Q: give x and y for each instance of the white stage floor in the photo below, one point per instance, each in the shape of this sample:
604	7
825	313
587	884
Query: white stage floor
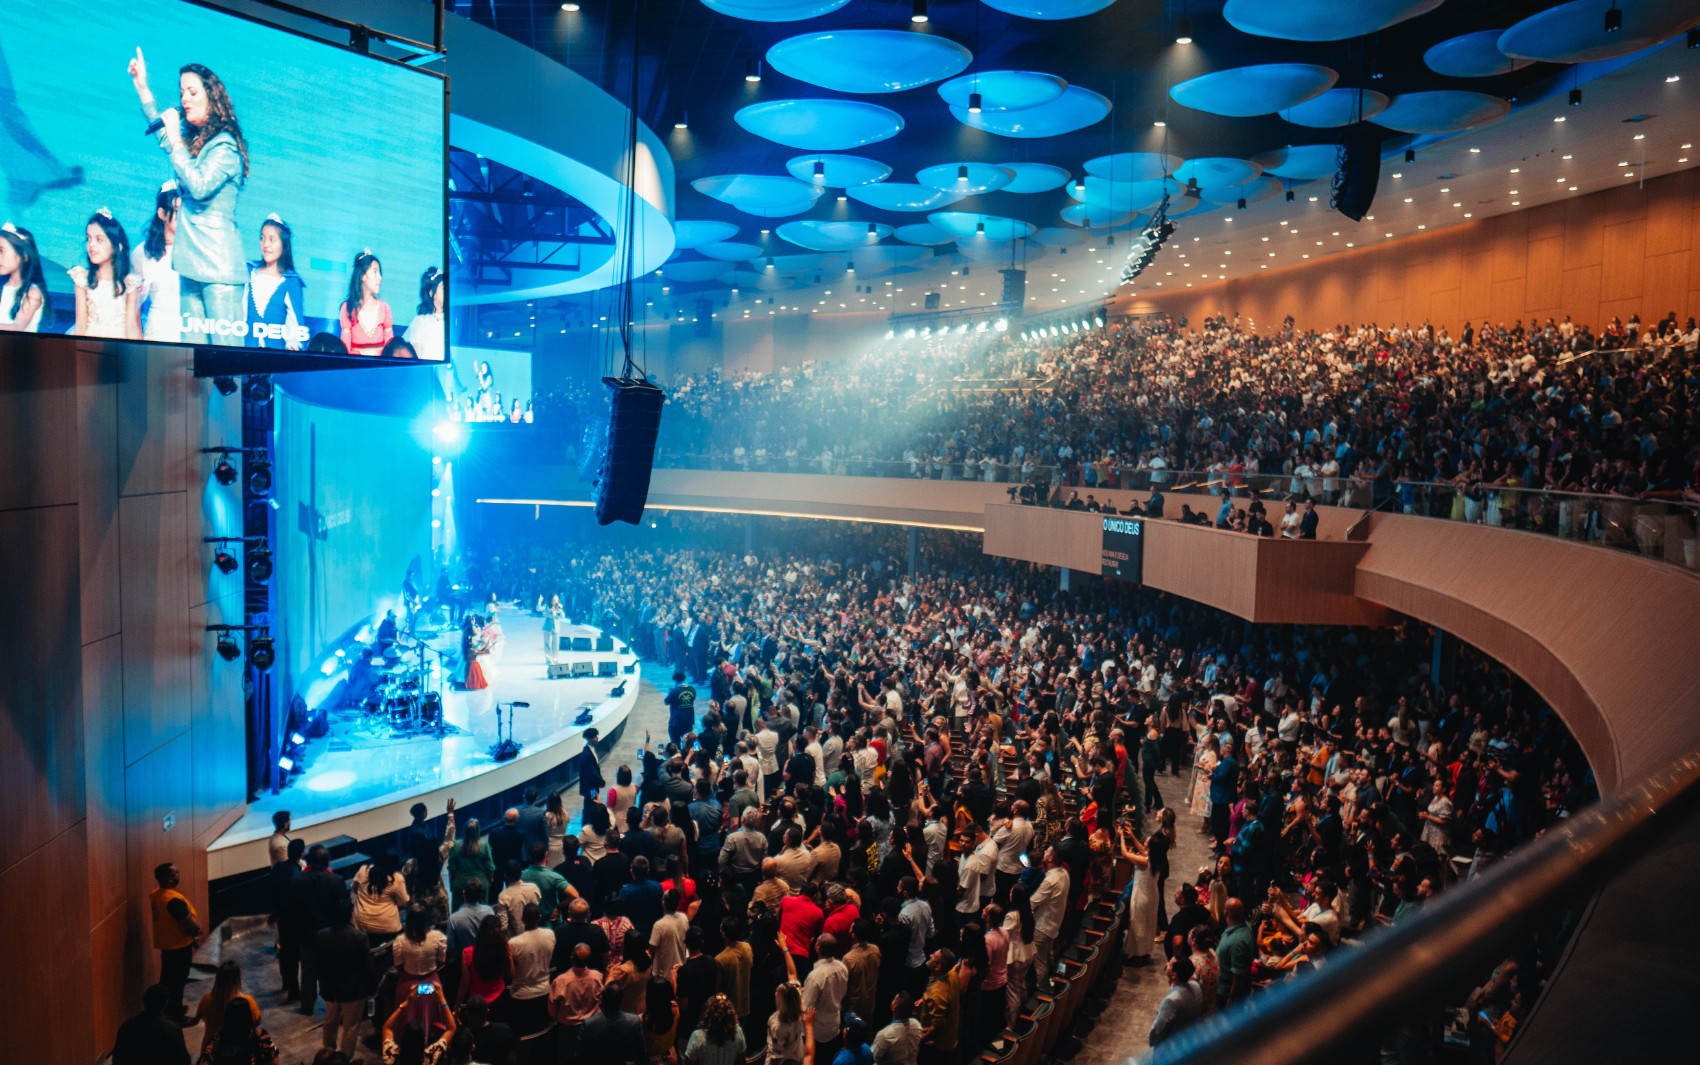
360	783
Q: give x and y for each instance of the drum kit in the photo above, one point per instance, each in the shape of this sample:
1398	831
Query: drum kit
405	701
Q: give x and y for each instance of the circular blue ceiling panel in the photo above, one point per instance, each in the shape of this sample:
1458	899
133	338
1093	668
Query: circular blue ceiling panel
868	60
1305	162
988	251
694	271
1133	166
967	225
882	257
694	234
1075	109
838	171
807	234
1085	214
730	252
1254	191
1059	237
820	125
967	179
1442	111
786	265
763	195
924	233
1336	107
774	10
853	234
1049	10
1320	20
1257	90
1215	173
1035	177
901	196
1003	90
1474	55
1122	195
1576	33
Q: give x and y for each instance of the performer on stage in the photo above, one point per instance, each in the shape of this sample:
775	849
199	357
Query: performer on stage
23	289
211	166
365	319
109	297
427	333
162	317
553	618
276	294
471	647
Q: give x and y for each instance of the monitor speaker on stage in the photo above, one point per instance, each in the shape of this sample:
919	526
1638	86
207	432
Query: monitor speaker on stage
581	643
605	642
607	669
1360	172
622	487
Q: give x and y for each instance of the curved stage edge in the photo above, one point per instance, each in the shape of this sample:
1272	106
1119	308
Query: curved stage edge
432	769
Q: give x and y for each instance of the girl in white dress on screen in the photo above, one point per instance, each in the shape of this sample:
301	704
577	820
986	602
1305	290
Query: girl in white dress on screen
161	287
23	290
108	302
427	333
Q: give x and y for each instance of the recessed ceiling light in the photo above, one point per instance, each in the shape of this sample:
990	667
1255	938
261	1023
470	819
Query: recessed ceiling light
1515	203
1573	188
1475	151
1398	175
1516	170
569	7
1673	78
1560	118
1159	123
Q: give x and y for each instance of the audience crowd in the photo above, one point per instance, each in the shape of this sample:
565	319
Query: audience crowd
885	803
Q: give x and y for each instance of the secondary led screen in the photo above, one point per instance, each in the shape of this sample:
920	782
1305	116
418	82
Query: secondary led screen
177	174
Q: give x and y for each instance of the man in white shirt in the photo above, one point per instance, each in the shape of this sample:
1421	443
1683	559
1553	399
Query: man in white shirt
899	1043
823	992
1013	837
531	951
767	757
511	903
974	873
667	937
1049	900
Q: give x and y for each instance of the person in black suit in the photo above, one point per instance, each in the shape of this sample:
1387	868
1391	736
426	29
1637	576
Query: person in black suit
288	948
589	768
1308	523
507	841
310	906
151	1037
532	821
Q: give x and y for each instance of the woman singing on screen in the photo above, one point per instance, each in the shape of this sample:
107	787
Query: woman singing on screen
161	287
366	322
426	333
275	291
109	298
23	289
209	158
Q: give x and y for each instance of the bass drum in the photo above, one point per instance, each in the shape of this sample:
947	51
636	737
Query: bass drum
431	710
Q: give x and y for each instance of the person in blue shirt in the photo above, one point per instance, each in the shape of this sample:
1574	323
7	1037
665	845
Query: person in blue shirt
856	1049
1224	790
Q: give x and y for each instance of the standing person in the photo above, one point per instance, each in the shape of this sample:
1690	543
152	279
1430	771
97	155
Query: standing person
277	847
23	286
241	1040
790	1035
209	159
719	1040
176	930
823	996
556	819
899	1043
161	295
573	999
469	859
532	952
276	296
109	297
1019	925
613	1036
589	768
288	948
1224	789
364	318
1049	901
1181	1006
380	897
346	979
153	1036
553	616
941	1010
227	988
681	709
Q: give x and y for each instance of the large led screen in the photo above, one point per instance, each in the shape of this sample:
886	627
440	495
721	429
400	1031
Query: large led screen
173	173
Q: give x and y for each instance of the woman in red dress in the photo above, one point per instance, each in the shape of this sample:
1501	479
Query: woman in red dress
471	647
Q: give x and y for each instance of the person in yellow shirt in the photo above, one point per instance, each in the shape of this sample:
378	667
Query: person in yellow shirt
176	928
941	1009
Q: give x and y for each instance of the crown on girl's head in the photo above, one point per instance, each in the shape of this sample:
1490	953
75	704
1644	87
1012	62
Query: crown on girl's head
274	218
169	186
106	213
367	252
8	227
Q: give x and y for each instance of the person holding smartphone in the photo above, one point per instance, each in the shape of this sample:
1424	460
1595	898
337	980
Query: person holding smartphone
421	1025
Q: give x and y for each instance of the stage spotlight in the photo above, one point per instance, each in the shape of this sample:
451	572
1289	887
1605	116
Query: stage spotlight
873	230
226	386
962	172
918	12
974	103
684	121
259	476
569	7
1614	18
286	763
447	432
1240	203
1185	34
259	389
1289	195
752	71
228	648
1410	155
979	229
820	171
297	739
225	561
259	563
224	472
261	654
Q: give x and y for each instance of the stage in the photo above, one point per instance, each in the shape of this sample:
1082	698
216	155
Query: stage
359	781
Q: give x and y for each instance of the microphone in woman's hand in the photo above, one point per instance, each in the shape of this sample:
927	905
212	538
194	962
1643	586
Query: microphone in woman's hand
159	123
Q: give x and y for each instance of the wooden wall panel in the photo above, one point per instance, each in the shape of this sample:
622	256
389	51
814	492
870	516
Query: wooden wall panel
1571	256
103	740
38	431
155	615
47	954
41	729
159	806
154	385
1209	566
97	505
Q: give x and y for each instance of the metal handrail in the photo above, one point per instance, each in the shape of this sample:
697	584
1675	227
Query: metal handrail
1358	997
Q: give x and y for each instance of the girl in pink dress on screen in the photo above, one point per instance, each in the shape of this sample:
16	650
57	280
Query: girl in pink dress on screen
366	322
